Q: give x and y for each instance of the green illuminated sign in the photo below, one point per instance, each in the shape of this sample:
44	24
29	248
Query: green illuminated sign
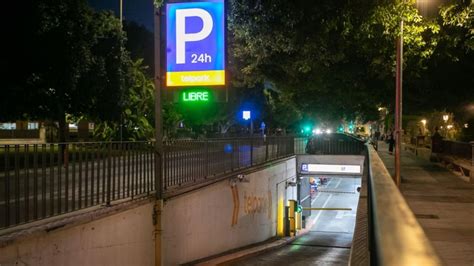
195	96
299	208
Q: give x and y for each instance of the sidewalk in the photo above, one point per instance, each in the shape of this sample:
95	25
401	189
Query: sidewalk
442	202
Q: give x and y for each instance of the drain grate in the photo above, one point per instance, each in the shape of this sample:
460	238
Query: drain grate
426	216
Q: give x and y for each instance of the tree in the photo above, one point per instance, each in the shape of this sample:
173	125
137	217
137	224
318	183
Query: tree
73	65
337	60
458	17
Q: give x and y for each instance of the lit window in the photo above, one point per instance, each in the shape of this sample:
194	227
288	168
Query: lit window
33	125
8	126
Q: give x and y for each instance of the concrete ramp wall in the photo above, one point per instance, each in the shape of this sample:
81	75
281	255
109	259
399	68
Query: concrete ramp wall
226	215
125	238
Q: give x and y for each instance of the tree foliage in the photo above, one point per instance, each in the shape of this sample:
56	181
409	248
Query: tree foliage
336	59
73	63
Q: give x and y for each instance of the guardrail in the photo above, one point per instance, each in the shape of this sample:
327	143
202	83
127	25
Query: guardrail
38	181
329	144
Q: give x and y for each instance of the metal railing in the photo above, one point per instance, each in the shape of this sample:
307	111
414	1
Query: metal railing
19	134
329	144
189	162
463	150
38	181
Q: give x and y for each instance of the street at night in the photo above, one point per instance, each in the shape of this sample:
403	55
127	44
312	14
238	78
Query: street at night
237	132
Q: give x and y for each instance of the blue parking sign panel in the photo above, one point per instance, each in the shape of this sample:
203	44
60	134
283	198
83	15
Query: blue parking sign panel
304	167
195	43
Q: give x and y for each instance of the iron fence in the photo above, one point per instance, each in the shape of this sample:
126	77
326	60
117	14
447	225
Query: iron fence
329	144
463	150
19	134
38	181
188	162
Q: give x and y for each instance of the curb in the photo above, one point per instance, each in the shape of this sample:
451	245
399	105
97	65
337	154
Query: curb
253	251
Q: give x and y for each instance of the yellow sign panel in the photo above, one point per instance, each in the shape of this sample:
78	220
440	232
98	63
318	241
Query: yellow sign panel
195	78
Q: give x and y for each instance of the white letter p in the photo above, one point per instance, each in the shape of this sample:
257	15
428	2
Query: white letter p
182	37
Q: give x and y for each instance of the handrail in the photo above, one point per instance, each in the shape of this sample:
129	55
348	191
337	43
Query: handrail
398	237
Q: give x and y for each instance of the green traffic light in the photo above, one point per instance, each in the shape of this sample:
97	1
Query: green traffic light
299	208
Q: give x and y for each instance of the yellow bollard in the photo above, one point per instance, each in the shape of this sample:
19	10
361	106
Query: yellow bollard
292	216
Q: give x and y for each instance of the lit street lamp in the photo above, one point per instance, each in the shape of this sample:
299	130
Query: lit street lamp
445	118
423	122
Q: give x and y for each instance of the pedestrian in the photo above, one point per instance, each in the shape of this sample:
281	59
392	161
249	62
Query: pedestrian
377	135
391	142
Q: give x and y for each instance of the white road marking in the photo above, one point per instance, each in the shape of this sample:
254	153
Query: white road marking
305	198
319	194
339	214
324	206
338	183
327	185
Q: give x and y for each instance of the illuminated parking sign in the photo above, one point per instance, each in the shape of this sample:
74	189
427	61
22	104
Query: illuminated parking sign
195	49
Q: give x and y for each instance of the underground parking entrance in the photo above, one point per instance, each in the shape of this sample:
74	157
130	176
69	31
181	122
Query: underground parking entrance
328	195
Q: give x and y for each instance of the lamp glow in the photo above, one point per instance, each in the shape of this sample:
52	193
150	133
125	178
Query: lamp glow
445	118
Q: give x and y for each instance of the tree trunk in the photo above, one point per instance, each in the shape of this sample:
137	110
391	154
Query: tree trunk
63	136
63	128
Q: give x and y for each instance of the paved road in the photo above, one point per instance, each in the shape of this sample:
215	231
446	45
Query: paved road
442	202
329	240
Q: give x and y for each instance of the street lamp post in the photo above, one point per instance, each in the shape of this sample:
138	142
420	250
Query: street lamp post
121	10
398	105
121	100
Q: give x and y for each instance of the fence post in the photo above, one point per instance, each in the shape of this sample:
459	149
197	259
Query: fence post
471	171
207	158
266	149
232	155
251	151
109	173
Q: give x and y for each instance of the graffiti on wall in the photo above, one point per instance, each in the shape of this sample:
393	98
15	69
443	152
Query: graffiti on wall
252	204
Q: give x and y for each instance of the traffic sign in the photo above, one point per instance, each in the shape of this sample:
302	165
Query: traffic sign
195	43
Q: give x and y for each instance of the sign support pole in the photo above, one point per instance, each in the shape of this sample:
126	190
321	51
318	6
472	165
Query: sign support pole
158	208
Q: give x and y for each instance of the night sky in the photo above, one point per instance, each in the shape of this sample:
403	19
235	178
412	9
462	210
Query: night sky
139	11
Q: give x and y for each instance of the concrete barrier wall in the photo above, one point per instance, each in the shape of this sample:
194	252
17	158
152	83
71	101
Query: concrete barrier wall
126	238
211	220
226	215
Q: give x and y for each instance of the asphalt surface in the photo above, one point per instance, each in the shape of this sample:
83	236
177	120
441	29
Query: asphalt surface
329	240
